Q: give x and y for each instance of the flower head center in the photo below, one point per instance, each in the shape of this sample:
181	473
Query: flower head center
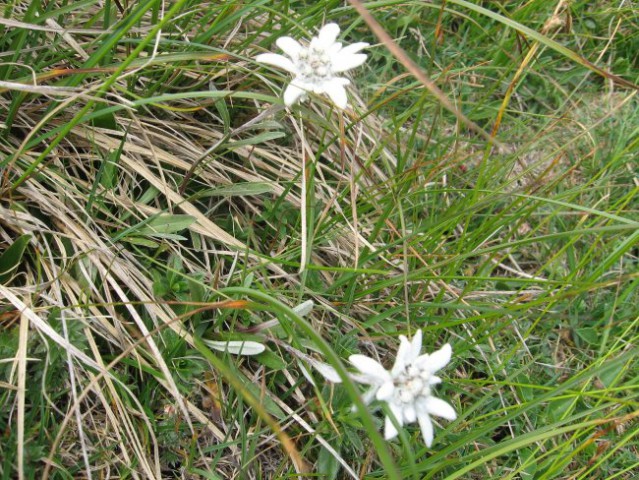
411	384
314	64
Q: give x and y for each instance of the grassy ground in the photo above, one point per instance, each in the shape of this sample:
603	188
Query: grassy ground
136	221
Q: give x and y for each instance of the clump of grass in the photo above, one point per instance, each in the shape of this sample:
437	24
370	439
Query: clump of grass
143	209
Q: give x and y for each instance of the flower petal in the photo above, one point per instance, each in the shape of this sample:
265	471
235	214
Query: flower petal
367	398
336	47
336	91
353	48
410	414
386	391
370	367
341	62
327	35
277	60
426	426
422	361
403	356
290	46
390	431
292	94
439	408
434	380
369	395
319	87
439	359
416	345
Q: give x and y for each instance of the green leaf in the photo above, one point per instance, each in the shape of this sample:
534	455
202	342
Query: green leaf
163	225
327	465
610	376
560	408
588	335
261	138
143	242
268	403
528	462
12	256
104	120
238	190
271	360
109	169
222	110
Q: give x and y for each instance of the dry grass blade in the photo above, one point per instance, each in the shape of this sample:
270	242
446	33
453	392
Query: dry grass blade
39	89
22	379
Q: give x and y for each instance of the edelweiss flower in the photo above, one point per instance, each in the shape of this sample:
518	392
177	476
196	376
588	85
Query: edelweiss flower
315	66
407	388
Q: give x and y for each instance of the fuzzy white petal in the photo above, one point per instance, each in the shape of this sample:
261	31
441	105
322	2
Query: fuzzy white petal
354	48
386	391
328	34
421	361
319	88
434	380
290	46
367	398
369	395
277	61
403	356
336	47
410	414
439	359
426	426
336	91
416	345
342	63
439	408
364	379
292	94
370	367
390	431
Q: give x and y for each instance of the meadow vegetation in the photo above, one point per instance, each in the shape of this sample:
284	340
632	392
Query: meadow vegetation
155	195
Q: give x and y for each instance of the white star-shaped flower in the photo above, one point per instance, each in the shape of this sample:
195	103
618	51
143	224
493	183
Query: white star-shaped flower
407	387
315	67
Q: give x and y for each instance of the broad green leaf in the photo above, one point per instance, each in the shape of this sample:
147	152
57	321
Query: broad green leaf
589	335
261	138
271	360
106	120
327	465
222	110
12	256
142	241
238	190
166	224
610	376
